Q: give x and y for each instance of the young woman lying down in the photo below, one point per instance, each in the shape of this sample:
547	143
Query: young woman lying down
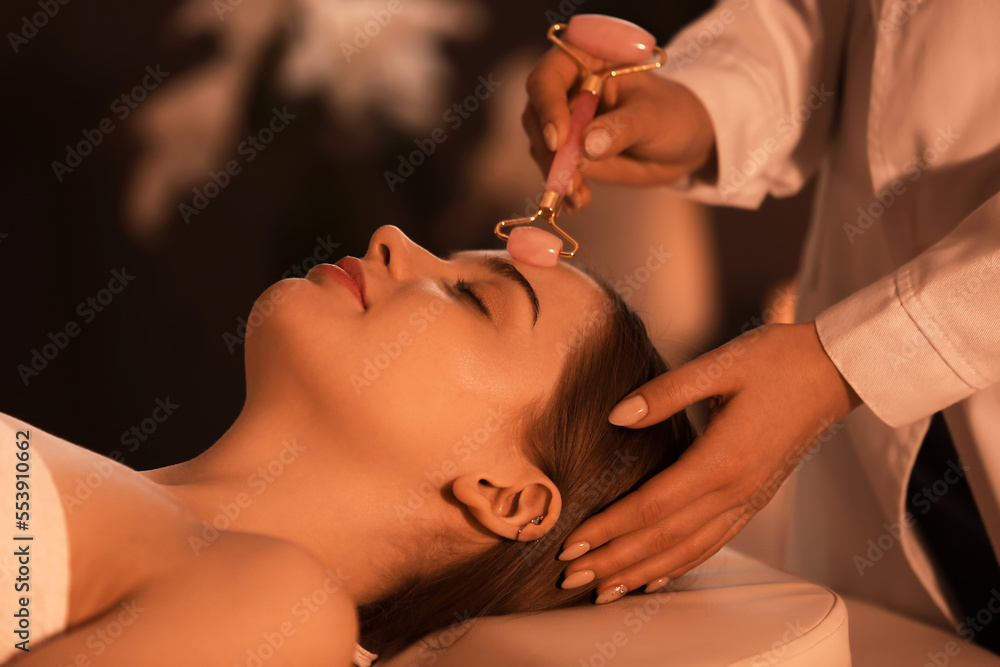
418	437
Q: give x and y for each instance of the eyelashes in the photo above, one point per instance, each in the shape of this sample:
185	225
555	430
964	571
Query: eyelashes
463	288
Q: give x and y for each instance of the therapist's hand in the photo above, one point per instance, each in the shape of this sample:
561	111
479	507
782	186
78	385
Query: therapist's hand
652	131
775	391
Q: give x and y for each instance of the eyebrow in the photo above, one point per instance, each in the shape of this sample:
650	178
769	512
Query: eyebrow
505	269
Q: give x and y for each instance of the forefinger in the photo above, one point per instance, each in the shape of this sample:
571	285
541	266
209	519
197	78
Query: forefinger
666	493
548	88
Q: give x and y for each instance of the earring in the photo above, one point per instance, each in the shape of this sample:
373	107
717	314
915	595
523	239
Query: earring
536	521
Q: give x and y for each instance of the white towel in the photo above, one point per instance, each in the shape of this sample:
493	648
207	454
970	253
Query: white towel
34	562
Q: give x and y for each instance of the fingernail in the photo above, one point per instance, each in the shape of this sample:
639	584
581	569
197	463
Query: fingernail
574	199
596	143
575	551
629	411
657	585
578	579
551	136
612	594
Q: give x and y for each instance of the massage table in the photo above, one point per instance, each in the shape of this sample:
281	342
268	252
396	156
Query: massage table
730	611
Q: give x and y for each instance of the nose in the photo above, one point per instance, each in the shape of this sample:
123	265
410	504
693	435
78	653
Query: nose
394	250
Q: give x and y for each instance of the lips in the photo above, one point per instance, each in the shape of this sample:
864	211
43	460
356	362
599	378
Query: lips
352	266
353	280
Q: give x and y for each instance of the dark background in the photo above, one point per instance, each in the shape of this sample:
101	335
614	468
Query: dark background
162	336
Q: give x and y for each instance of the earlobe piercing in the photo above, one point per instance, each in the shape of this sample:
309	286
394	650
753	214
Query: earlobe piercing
536	521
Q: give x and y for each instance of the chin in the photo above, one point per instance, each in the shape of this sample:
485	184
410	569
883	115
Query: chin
295	345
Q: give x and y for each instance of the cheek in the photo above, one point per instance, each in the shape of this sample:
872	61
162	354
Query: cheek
424	375
432	365
437	386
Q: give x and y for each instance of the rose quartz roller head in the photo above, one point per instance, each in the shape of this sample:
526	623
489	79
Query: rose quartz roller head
606	37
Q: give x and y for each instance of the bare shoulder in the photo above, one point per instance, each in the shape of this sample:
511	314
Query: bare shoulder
296	604
246	600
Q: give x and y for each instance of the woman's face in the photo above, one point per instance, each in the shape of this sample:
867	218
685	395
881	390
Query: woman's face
427	370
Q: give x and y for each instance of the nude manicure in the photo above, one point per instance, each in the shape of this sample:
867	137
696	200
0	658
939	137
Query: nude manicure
551	136
612	594
596	143
657	585
575	551
629	411
578	579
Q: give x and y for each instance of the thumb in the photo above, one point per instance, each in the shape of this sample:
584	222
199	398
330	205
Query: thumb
671	392
611	134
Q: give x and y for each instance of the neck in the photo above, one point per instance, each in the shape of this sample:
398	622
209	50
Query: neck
270	474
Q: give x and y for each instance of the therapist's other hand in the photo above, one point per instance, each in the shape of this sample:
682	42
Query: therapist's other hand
653	130
773	391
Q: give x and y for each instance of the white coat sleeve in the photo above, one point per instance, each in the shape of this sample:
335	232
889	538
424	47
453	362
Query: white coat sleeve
927	335
767	72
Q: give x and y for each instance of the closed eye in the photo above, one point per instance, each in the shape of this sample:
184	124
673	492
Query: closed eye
463	288
503	269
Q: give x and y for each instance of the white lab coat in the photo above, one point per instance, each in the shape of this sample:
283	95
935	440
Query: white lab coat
897	105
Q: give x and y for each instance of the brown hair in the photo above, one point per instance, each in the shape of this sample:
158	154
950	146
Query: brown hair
591	462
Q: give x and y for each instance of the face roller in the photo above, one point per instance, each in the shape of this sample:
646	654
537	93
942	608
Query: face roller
605	37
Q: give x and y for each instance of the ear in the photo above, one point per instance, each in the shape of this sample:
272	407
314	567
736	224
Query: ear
505	504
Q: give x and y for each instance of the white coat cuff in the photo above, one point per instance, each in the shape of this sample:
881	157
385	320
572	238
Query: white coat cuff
885	357
745	137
